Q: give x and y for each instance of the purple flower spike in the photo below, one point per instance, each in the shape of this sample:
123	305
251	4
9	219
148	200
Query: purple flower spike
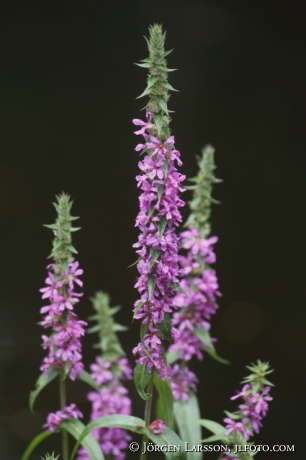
157	244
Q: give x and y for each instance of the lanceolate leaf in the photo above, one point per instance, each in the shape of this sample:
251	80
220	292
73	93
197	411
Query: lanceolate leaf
90	444
126	422
212	426
161	226
186	416
172	356
89	380
141	380
166	398
42	381
165	327
155	253
37	440
205	338
168	438
151	284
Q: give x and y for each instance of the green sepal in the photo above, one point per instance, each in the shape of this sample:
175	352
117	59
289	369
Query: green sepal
151	285
90	444
186	414
141	380
165	327
37	440
155	253
168	438
166	397
127	422
41	382
205	338
161	225
86	377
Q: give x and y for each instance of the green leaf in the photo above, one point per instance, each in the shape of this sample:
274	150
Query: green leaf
232	416
145	65
166	397
165	327
158	121
141	380
161	225
155	253
172	356
85	377
165	69
151	285
205	338
143	330
132	265
177	287
37	440
126	422
160	189
141	304
168	438
146	91
90	444
186	414
42	381
217	437
167	85
212	426
162	103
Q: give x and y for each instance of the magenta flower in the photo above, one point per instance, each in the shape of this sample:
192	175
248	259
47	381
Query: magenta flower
54	419
64	344
182	382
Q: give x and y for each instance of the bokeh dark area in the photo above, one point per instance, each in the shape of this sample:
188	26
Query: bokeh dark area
68	87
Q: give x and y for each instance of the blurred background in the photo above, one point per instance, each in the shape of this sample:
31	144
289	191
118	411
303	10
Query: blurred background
68	87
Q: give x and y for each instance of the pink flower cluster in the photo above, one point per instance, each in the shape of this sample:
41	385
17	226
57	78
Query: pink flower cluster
200	284
157	244
54	419
250	413
182	381
111	399
63	345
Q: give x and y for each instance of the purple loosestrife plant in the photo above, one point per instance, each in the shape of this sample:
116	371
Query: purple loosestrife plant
63	344
109	371
159	214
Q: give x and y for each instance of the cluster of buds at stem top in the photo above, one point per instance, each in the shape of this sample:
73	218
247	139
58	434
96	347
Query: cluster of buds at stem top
242	424
64	344
50	457
198	279
159	214
109	371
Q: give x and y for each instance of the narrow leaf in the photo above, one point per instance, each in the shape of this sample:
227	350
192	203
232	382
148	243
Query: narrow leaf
37	440
138	308
205	338
166	398
151	284
158	121
162	103
168	438
186	415
145	65
85	377
126	422
167	85
90	444
161	226
155	253
141	380
165	327
42	381
212	426
172	356
134	263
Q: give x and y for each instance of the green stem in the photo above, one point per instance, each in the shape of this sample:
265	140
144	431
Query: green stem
147	417
65	447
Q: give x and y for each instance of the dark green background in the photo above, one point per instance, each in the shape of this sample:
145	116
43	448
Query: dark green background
68	87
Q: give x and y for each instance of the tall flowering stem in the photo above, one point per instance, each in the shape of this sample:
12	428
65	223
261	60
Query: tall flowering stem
109	371
246	421
198	279
63	344
159	214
